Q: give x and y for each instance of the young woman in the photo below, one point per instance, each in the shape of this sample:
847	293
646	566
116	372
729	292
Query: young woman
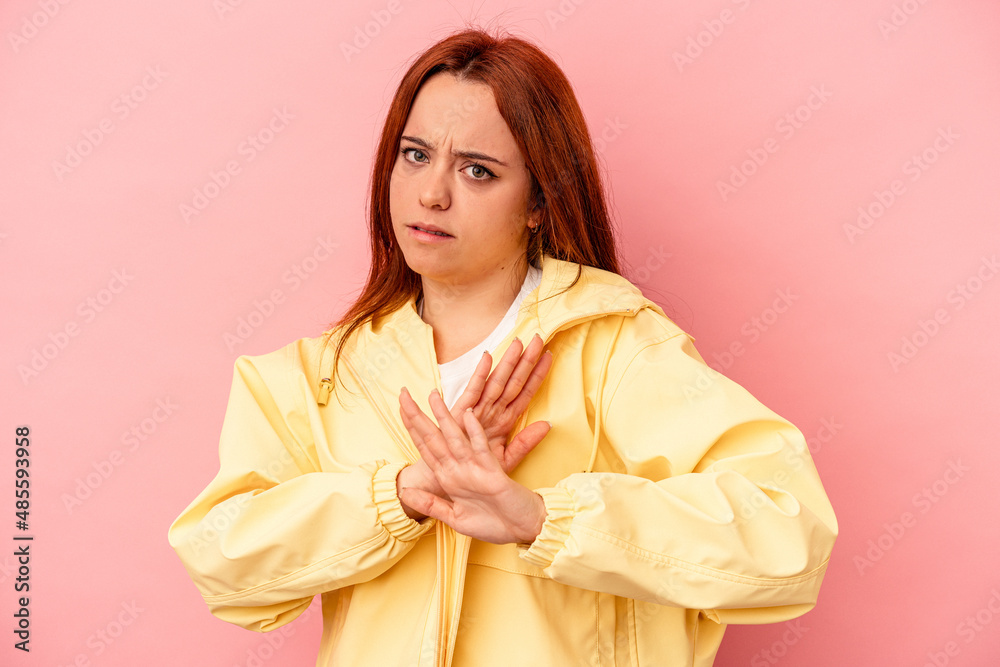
612	501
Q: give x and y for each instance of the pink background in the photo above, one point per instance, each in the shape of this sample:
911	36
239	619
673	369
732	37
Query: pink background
782	286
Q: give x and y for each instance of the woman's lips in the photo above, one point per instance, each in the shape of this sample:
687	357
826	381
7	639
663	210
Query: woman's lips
429	232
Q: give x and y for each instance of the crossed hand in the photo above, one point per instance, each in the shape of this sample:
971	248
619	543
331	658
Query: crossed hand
462	476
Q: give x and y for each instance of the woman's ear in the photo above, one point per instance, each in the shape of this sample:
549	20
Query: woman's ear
537	203
536	210
534	221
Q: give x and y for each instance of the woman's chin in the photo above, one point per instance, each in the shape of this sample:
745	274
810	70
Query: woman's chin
428	266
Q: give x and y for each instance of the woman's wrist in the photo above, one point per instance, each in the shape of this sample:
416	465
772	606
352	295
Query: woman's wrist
403	480
533	526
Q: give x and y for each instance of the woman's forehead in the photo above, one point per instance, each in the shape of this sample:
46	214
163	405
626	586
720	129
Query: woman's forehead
461	113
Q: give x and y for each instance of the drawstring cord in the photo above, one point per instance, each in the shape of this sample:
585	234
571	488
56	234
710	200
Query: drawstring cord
325	383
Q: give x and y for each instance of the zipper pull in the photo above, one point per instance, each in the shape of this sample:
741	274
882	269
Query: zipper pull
325	387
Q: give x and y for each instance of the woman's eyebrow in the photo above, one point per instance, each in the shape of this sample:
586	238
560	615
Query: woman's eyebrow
471	155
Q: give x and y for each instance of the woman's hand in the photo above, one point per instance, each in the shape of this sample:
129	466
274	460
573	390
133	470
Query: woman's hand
477	497
417	476
500	399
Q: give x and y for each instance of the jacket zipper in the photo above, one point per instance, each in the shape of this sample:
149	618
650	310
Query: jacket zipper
412	454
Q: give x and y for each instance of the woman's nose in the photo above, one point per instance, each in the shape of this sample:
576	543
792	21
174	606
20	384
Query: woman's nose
434	190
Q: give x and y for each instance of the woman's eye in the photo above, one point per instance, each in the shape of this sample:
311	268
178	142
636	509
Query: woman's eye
414	155
479	172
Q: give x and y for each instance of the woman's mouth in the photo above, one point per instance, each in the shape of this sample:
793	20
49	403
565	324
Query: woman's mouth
429	232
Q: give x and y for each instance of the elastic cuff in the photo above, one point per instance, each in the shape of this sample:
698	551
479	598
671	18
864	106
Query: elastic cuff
560	509
390	510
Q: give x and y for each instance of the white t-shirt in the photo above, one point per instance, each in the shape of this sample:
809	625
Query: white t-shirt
455	374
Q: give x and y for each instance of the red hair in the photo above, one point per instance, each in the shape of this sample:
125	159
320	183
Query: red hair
537	102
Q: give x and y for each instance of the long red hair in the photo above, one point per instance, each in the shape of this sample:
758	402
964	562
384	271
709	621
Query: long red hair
537	102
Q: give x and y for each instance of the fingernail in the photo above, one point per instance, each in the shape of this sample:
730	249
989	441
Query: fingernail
549	423
517	339
548	352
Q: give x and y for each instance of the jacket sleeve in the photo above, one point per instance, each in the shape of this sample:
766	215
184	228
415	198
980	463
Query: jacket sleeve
716	504
272	530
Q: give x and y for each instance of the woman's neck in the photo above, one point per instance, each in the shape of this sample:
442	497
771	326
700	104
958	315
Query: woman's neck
462	315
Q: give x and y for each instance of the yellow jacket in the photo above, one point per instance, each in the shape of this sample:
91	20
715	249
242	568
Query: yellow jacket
677	503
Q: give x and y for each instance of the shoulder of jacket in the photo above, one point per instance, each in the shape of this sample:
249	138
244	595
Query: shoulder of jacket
299	356
598	292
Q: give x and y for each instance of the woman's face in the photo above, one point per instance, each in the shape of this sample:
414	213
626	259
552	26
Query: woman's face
458	173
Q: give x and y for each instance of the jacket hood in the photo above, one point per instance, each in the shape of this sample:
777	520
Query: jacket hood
553	306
